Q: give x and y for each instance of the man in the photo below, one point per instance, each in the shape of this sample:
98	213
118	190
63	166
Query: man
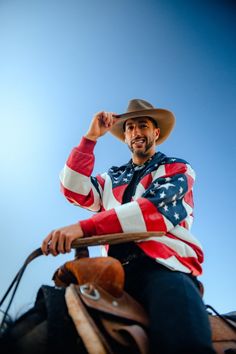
152	192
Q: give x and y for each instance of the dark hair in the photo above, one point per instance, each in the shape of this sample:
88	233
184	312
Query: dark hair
150	118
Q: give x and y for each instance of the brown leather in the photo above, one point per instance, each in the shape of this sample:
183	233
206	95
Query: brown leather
106	275
223	337
124	306
93	339
114	239
220	330
101	283
106	272
97	335
127	335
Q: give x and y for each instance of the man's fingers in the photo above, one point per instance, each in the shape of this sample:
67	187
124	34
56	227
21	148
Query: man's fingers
54	243
106	118
44	246
68	242
60	240
61	243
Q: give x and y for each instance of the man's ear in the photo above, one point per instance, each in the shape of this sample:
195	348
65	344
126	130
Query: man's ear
157	132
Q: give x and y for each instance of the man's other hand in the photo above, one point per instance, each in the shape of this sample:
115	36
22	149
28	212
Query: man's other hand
60	240
100	125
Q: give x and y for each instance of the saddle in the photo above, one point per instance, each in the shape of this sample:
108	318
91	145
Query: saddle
110	321
106	318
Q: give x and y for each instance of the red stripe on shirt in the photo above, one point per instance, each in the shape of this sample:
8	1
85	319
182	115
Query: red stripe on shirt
103	223
153	219
81	162
188	198
156	249
84	200
101	181
118	192
174	168
190	181
146	181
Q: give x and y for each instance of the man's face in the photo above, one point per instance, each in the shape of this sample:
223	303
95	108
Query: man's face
140	135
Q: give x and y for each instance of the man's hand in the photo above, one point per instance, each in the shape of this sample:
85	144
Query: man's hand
101	124
60	240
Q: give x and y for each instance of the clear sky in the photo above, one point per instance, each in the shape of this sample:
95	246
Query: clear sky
63	60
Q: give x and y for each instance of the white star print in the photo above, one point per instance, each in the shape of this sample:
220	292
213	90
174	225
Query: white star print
174	203
181	179
167	185
176	216
162	194
181	190
167	179
165	208
152	192
161	204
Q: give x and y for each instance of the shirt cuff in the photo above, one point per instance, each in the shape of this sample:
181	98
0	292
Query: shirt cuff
86	145
88	227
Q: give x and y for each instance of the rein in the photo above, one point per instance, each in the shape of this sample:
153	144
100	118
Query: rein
226	320
15	282
110	239
81	242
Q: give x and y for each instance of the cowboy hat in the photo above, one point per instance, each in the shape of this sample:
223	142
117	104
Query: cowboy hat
139	108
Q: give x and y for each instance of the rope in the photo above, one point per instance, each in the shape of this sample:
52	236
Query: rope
36	253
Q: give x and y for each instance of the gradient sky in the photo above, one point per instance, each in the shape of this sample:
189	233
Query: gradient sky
62	61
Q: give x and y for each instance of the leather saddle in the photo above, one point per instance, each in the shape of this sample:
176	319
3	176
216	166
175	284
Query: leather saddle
106	318
109	320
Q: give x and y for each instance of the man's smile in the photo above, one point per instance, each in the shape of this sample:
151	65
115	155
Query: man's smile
138	142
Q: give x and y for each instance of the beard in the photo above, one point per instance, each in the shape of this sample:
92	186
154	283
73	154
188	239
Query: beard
145	151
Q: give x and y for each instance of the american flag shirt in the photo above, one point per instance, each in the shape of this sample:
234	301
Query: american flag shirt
162	201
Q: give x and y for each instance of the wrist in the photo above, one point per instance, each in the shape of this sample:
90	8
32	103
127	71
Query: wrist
91	137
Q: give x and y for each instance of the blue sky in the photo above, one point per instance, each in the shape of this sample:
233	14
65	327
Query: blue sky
62	61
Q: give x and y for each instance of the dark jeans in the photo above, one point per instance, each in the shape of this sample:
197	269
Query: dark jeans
178	319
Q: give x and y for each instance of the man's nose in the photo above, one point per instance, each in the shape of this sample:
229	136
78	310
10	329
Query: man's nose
136	130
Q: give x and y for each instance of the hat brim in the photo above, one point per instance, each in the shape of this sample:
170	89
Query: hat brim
164	118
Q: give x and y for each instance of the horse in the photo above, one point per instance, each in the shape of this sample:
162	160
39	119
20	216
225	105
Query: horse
88	312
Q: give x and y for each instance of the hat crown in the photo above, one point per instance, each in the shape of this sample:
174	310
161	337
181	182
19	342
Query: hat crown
138	105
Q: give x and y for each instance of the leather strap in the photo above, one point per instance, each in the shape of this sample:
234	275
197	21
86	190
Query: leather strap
122	332
126	334
124	306
87	329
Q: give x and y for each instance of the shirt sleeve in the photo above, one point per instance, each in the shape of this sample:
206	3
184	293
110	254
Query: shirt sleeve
77	184
166	203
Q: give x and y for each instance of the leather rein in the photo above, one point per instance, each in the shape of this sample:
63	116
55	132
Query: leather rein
110	239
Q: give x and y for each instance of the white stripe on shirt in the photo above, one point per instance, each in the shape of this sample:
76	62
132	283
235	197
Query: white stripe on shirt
131	217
